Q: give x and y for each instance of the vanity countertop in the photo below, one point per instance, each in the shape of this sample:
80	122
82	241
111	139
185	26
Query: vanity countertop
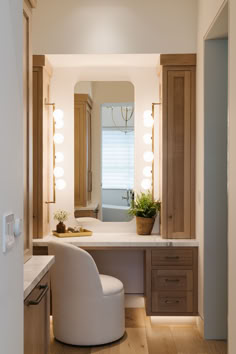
119	240
34	270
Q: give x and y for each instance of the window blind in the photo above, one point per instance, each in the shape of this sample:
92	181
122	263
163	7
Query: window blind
117	159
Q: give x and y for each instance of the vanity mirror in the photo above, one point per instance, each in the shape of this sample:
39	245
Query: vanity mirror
104	126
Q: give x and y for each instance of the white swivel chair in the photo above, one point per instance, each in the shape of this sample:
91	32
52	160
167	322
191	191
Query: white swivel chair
87	308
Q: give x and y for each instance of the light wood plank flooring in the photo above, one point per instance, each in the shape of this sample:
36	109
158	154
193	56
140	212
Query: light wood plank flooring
145	337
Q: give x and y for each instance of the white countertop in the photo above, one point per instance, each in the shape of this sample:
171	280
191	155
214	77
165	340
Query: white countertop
100	240
34	270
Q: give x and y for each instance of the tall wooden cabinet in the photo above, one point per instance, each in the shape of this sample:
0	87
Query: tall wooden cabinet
82	149
28	127
42	145
178	145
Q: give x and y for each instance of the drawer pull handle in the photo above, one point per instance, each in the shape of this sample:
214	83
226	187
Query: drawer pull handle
40	297
172	257
172	302
172	280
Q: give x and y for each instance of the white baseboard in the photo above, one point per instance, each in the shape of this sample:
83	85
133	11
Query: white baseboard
134	300
200	325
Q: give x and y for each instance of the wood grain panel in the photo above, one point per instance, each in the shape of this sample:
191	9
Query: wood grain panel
179	149
173	302
82	150
173	257
172	280
178	59
42	142
36	321
28	131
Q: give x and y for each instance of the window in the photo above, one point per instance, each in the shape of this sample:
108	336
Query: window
117	159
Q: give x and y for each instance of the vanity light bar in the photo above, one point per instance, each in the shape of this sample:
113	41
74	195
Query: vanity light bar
58	138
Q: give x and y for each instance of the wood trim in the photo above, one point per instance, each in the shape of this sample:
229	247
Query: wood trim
193	154
178	59
42	61
83	98
28	131
200	325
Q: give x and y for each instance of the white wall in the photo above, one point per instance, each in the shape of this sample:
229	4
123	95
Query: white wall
145	83
111	26
232	181
207	11
215	188
11	175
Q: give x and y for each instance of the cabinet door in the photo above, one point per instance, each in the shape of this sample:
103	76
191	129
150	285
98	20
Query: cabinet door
28	132
36	319
179	153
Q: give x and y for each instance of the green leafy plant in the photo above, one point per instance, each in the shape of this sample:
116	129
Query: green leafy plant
144	206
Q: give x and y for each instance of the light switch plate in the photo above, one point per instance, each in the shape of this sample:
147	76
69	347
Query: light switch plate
8	238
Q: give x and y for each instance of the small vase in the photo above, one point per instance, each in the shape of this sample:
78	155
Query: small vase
61	228
144	225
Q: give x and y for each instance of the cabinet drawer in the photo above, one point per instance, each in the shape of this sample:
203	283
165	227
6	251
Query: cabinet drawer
172	302
172	280
172	257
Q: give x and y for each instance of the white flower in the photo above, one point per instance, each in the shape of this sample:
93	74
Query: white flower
61	215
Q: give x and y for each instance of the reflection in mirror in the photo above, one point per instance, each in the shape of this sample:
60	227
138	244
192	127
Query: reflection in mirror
104	149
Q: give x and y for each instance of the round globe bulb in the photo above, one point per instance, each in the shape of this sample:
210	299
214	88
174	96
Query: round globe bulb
146	184
60	184
147	138
147	171
148	122
58	172
147	113
59	124
58	114
59	157
148	156
58	138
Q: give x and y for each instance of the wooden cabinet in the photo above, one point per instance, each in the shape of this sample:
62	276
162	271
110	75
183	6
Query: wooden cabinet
82	150
28	127
37	319
172	281
42	145
178	145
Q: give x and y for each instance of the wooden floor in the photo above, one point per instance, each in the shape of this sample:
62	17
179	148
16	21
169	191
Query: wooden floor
145	337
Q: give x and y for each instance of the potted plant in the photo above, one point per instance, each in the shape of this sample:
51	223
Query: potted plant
145	209
61	216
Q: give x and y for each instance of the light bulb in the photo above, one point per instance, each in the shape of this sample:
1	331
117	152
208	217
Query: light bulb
148	156
147	171
58	172
59	124
58	138
59	157
147	138
146	184
60	184
148	119
58	115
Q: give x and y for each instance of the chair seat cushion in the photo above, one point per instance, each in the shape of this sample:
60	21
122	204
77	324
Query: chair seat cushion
110	285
